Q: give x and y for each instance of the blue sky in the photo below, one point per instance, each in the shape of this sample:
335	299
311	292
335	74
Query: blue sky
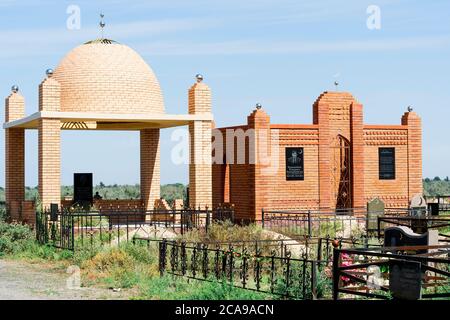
282	54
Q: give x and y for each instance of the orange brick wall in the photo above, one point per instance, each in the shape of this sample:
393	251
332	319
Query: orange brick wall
200	170
150	167
14	157
250	187
393	192
49	138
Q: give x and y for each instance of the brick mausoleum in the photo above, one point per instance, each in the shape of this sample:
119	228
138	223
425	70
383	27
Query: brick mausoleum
103	85
335	162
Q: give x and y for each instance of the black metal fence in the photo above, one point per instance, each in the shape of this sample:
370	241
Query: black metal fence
277	275
418	224
392	272
69	229
348	223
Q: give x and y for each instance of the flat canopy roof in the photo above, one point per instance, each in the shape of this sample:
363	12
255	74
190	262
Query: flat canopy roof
104	121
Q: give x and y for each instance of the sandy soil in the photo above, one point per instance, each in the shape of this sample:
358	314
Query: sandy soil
21	280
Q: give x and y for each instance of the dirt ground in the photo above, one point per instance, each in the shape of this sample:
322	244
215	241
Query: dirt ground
21	280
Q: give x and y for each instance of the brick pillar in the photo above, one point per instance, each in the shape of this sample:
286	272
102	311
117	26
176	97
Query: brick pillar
49	144
14	156
200	167
414	123
357	154
150	167
259	121
321	117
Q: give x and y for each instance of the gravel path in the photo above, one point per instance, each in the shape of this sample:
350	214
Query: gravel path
21	280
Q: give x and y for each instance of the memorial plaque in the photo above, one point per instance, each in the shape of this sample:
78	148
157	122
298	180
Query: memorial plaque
405	278
82	188
53	212
386	157
375	208
294	164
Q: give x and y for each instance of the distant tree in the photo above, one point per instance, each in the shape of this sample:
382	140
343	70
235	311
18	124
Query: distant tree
427	180
437	178
446	179
101	184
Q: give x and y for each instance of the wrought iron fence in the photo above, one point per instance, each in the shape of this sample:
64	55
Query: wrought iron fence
277	275
349	223
69	229
392	272
420	224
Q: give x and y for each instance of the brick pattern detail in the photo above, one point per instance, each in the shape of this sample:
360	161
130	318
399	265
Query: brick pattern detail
14	157
49	162
49	145
414	123
357	155
200	133
250	188
108	78
324	155
150	167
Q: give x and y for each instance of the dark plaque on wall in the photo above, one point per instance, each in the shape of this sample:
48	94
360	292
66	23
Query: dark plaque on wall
386	158
294	164
82	188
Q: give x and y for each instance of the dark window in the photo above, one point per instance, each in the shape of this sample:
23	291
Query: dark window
386	163
294	164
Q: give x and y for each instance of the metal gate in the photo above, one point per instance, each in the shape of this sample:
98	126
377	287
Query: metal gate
56	229
341	172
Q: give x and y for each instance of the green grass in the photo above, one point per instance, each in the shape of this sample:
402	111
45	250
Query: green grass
171	287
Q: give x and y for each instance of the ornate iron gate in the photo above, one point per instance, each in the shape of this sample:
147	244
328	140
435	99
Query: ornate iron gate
341	172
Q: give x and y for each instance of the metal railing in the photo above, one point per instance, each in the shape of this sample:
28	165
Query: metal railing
284	276
69	229
392	272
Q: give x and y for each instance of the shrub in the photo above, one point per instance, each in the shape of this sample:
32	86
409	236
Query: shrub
15	238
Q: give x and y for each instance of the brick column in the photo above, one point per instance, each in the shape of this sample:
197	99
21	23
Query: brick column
258	185
200	166
357	154
49	145
321	115
414	123
14	156
150	167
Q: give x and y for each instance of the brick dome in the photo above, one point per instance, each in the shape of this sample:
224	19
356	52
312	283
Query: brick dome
107	77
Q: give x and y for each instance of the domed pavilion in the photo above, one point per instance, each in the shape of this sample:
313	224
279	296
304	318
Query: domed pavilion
103	85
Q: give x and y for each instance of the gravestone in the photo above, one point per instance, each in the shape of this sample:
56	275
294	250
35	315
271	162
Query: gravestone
82	189
418	206
403	236
375	208
418	211
405	279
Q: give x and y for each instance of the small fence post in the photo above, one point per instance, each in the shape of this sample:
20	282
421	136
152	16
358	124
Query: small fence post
314	279
309	223
336	276
162	256
208	219
262	217
379	227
